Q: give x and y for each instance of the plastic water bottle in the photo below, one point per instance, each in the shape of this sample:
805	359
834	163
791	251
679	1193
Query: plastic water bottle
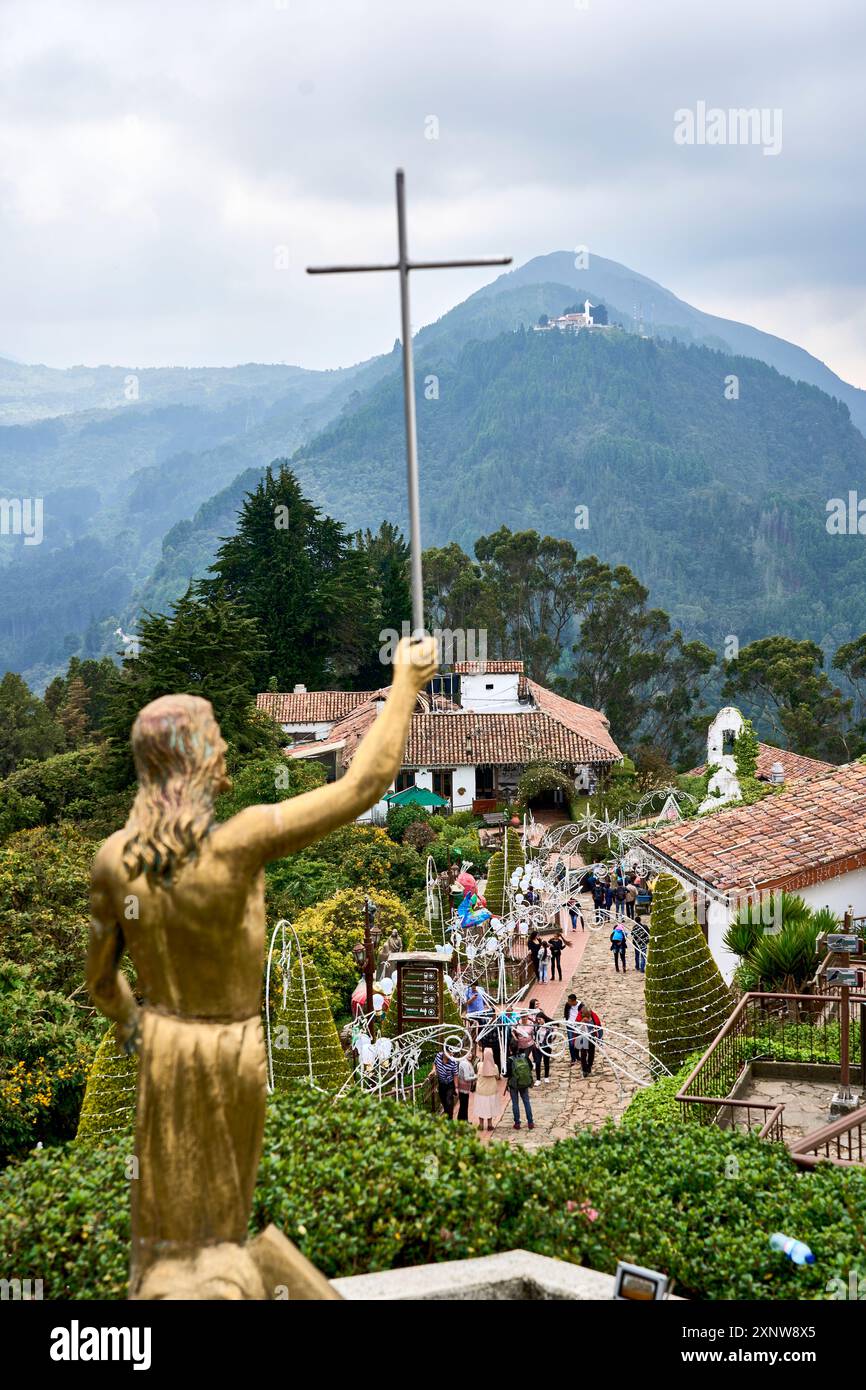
796	1250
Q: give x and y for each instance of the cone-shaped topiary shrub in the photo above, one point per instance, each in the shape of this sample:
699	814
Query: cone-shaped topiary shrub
498	874
305	1045
108	1107
687	1001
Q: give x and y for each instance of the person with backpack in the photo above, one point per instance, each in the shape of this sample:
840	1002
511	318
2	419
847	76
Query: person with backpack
617	945
518	1080
446	1076
598	894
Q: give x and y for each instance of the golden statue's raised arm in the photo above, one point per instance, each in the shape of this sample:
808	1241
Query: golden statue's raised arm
269	832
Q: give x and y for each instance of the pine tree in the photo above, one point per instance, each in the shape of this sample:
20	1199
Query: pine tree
499	875
109	1097
687	1001
305	1045
295	572
201	648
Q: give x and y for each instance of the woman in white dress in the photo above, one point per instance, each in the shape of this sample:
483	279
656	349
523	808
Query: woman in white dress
487	1098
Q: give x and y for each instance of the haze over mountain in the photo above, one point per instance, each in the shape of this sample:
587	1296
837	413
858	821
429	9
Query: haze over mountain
707	499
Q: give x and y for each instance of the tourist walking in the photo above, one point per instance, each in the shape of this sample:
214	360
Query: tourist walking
630	896
617	945
598	899
558	944
487	1089
570	1014
590	1035
576	915
518	1080
639	940
465	1086
542	965
543	1038
534	946
446	1076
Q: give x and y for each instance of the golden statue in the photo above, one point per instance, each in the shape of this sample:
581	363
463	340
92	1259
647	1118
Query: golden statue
186	896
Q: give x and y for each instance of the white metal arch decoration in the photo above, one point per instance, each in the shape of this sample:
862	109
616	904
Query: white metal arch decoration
285	964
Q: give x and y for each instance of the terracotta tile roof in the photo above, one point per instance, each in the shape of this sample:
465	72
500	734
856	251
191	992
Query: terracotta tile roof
589	723
795	764
488	668
311	706
810	831
556	729
452	740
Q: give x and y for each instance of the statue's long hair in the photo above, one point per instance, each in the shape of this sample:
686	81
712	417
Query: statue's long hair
178	751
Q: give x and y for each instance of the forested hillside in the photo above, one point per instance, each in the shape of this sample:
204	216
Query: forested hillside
718	505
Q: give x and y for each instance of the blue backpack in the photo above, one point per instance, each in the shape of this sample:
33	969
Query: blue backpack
617	936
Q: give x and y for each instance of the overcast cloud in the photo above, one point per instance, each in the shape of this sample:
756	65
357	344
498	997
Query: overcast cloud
153	156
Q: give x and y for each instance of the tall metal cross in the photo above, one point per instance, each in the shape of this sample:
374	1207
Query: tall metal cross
404	265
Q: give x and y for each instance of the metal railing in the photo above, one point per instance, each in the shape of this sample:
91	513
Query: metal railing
842	1141
772	1028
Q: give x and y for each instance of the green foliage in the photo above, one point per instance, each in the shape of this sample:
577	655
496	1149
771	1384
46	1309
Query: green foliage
784	960
328	931
687	1000
108	1107
317	1059
746	749
264	781
202	648
539	777
657	1102
27	727
63	786
783	679
295	573
43	1063
44	891
401	817
643	1192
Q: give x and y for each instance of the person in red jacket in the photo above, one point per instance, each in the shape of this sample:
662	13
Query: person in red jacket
593	1035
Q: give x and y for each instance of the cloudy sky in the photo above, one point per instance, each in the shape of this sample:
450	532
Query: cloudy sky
167	170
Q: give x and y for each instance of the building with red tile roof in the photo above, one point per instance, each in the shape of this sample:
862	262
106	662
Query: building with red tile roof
470	746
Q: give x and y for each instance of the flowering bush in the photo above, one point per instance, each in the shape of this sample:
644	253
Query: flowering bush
329	930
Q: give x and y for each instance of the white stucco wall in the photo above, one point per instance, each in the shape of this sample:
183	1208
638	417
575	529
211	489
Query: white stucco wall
502	699
838	894
849	890
319	731
463	777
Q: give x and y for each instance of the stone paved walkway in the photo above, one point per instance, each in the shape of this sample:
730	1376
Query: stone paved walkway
571	1101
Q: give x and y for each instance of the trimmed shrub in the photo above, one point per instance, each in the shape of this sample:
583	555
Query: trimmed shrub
687	1001
109	1097
401	817
496	891
317	1059
647	1193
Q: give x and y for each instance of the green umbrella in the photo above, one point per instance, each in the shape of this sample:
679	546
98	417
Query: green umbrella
416	796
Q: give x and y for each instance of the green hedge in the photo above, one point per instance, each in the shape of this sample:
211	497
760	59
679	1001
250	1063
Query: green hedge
365	1185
